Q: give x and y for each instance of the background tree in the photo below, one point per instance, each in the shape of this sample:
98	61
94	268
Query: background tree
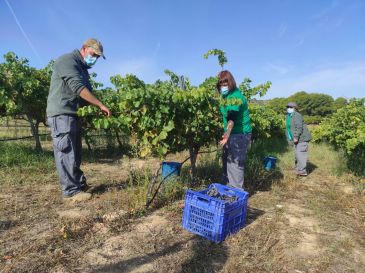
313	104
210	83
345	130
339	103
24	92
130	81
278	105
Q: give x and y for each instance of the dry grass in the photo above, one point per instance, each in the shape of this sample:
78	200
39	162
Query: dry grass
313	224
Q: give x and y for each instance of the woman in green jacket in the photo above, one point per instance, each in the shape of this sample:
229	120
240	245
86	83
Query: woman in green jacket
237	129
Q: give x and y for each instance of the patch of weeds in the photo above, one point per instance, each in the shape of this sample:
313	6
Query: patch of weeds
259	248
137	213
315	204
334	209
136	197
328	161
338	254
357	182
62	243
21	164
75	229
171	191
209	168
287	188
119	225
344	245
17	154
136	191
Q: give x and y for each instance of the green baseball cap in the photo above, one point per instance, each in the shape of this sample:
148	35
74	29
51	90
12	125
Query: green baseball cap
96	45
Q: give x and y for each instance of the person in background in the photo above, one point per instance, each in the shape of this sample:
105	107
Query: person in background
70	88
237	129
298	135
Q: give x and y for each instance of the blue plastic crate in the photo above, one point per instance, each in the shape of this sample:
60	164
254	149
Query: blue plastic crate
213	218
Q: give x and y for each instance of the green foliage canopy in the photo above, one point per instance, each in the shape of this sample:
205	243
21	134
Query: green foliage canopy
222	59
345	130
24	91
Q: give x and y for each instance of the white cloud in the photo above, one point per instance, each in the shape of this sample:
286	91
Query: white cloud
346	80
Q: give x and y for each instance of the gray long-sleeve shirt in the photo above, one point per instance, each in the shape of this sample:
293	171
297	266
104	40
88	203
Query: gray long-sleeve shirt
298	128
69	77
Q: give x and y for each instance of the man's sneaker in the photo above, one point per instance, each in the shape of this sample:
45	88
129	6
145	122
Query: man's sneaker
302	173
87	188
78	197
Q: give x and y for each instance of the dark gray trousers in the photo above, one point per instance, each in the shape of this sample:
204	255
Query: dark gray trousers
66	135
234	157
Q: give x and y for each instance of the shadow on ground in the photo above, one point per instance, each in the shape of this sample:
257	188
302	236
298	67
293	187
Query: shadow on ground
103	188
7	224
253	214
206	256
135	262
311	167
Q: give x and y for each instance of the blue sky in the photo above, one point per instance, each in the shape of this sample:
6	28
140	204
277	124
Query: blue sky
315	46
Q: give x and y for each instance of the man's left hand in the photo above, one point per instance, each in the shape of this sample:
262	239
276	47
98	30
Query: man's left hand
105	110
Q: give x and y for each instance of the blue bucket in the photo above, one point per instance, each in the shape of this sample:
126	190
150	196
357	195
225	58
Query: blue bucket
270	163
170	169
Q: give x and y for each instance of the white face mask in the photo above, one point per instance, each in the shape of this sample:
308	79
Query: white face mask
224	90
90	60
290	110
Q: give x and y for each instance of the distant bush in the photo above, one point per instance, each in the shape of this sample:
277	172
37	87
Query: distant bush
312	119
313	106
345	130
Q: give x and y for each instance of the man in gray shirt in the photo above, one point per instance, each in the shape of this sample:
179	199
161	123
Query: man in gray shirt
298	134
70	89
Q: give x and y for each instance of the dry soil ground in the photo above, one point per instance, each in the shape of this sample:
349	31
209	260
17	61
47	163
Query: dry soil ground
312	224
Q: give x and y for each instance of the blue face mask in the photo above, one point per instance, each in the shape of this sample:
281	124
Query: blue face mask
224	90
90	60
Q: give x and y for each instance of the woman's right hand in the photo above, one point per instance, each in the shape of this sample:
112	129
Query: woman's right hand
224	139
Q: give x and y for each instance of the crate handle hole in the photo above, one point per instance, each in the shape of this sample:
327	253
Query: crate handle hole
203	199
